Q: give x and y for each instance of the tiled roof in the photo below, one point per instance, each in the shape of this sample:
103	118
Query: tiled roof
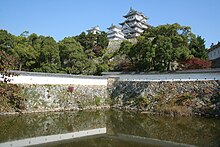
213	47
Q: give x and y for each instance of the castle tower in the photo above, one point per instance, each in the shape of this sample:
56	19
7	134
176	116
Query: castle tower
115	33
94	30
134	24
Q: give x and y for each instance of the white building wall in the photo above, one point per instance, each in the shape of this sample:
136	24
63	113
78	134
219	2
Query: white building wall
115	36
37	79
139	17
138	29
214	54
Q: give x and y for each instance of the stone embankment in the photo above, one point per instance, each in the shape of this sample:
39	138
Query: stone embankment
183	94
168	97
43	92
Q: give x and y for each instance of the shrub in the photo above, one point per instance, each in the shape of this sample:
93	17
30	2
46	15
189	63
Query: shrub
98	101
197	63
70	89
179	100
9	93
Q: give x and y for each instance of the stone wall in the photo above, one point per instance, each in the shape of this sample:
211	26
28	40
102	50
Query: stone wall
114	45
63	97
186	97
138	92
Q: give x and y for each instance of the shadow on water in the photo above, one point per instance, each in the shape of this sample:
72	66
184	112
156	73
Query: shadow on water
123	128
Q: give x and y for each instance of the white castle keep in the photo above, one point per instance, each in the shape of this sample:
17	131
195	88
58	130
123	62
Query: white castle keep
133	26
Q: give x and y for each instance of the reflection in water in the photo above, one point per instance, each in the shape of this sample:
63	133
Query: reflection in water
187	130
102	142
43	124
119	124
53	138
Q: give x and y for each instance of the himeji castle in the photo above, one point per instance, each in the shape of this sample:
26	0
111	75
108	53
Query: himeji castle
115	33
94	30
132	27
135	23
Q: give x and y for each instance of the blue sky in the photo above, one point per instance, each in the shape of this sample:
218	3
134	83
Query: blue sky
63	18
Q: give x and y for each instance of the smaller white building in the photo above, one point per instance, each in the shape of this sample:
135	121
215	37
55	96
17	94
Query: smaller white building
94	30
115	33
214	51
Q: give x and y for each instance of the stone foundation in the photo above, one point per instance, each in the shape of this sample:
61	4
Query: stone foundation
186	97
63	97
174	97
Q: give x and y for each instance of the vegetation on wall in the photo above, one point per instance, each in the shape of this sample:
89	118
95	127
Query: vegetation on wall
10	99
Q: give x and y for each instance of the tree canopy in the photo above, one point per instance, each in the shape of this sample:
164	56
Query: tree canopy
158	48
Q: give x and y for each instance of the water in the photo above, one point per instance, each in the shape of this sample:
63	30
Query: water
123	129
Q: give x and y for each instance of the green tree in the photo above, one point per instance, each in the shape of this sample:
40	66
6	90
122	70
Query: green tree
158	47
93	44
88	41
26	55
6	41
126	49
144	54
197	47
170	43
125	53
102	40
103	63
49	59
67	47
73	58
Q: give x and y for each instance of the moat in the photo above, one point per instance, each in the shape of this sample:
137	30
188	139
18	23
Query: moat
122	129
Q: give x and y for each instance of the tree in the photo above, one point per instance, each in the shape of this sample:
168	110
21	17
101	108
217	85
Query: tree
94	47
88	41
158	47
49	59
102	40
6	41
103	63
7	62
93	44
25	53
197	47
143	54
171	44
125	53
73	58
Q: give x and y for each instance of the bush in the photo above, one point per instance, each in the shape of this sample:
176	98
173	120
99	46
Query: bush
197	63
98	101
10	99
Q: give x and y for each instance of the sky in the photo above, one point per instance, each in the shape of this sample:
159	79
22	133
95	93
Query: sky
64	18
